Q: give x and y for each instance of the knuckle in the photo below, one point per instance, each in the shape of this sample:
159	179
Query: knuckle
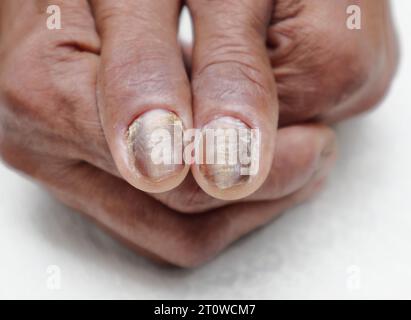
318	67
15	100
348	64
242	72
384	76
287	9
353	67
11	88
145	73
249	14
22	82
378	91
350	61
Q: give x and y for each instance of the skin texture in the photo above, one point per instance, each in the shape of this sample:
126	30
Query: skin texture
231	75
67	98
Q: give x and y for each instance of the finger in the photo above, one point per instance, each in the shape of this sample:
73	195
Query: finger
58	79
302	152
150	228
143	92
233	89
328	71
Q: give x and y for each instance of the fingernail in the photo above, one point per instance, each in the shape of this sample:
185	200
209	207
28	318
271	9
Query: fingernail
152	144
218	166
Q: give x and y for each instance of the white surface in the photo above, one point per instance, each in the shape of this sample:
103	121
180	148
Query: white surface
358	229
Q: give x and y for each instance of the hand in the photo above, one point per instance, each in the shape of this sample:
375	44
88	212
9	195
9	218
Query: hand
50	129
143	86
323	70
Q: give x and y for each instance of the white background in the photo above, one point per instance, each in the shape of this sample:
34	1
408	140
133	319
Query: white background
353	241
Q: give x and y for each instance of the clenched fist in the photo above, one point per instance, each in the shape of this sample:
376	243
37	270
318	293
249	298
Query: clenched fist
77	105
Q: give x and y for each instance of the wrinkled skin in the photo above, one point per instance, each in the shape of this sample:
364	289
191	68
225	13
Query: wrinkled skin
325	71
51	128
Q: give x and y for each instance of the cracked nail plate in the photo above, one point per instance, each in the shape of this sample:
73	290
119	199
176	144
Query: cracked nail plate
146	135
227	174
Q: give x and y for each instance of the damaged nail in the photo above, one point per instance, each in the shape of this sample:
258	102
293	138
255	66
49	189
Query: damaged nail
154	144
227	142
